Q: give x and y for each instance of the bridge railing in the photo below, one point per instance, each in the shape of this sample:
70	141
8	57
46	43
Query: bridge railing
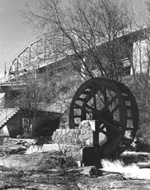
12	103
20	79
23	76
8	110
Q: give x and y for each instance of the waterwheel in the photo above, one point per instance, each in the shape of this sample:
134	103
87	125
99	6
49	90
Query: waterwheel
113	105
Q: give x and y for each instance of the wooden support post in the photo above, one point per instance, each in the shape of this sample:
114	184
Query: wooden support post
97	148
92	155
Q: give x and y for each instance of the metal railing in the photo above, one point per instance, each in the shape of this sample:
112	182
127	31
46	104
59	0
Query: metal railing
21	78
7	117
13	104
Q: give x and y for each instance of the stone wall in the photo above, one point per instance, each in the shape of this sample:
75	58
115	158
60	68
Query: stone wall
73	141
81	136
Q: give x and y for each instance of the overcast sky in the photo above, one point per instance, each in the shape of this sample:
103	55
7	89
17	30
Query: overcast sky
14	35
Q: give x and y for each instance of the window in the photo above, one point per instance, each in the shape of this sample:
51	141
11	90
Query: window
126	66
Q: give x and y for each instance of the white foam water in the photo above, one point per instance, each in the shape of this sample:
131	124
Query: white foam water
128	171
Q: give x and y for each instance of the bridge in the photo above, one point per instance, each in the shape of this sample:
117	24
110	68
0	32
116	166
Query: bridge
37	55
32	60
44	52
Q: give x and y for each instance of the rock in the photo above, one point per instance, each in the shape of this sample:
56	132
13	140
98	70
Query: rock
16	141
38	161
143	164
75	151
111	176
21	161
90	171
66	136
15	146
130	157
43	148
43	140
55	161
17	150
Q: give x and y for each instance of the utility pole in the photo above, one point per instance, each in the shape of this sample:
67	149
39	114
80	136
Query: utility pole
5	72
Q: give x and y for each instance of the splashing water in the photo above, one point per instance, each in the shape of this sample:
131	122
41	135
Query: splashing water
128	171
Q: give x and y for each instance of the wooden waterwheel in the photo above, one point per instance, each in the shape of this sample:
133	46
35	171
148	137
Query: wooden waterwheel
114	106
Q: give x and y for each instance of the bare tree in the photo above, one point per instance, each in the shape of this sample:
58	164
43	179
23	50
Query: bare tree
47	92
29	98
87	38
89	30
139	81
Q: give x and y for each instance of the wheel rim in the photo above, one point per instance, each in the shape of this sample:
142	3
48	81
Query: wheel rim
101	99
132	118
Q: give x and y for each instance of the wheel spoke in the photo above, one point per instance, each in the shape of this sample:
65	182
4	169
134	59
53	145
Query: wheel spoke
77	106
89	107
104	132
110	102
101	129
105	95
115	109
112	127
94	97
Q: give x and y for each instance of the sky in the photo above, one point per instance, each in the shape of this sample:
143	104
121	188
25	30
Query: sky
15	35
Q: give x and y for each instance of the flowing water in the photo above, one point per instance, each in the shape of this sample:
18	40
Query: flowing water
128	171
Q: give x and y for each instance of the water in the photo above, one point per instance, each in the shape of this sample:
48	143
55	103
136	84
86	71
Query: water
128	171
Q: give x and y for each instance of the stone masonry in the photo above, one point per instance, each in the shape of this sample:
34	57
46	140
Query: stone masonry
72	141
